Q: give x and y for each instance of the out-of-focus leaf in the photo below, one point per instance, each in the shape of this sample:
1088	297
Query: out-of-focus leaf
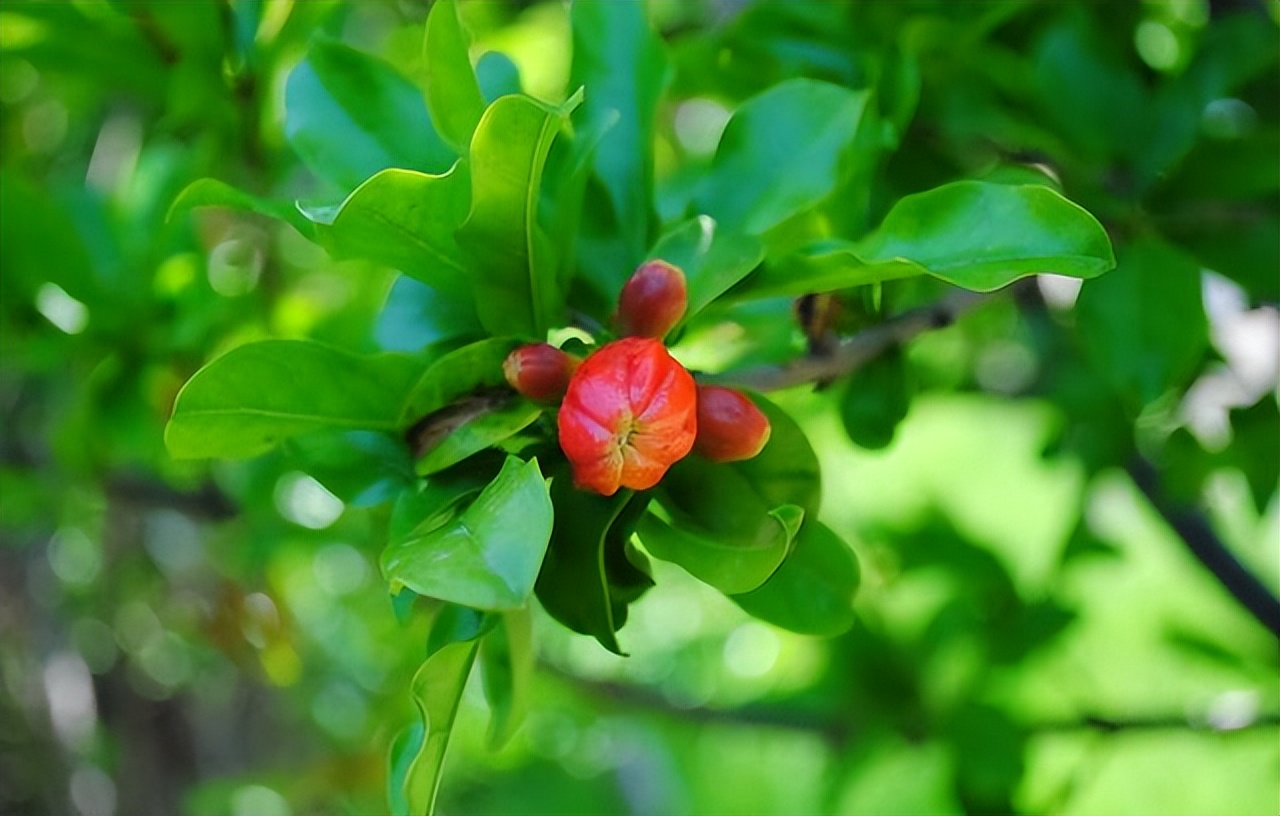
30	257
619	60
488	556
484	431
257	395
498	76
453	96
973	234
713	260
513	264
478	365
1256	432
1143	326
507	662
207	192
416	316
781	154
579	581
812	592
349	115
876	399
406	220
363	468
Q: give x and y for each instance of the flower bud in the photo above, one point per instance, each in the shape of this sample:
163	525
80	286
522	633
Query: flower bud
730	426
630	413
539	371
652	301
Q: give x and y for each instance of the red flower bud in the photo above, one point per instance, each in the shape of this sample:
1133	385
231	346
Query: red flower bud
652	301
730	426
629	415
539	371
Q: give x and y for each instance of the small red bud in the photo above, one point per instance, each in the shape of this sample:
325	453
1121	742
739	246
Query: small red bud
653	300
730	426
539	371
628	416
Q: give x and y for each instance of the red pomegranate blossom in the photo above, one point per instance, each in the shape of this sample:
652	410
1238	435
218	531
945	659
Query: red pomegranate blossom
653	300
630	413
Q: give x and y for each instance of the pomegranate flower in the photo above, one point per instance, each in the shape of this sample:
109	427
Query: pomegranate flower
629	414
653	300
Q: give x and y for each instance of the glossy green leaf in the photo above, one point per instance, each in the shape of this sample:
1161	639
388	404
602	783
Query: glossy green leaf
349	115
497	75
363	468
460	372
207	192
406	220
716	560
786	471
513	263
781	154
584	578
713	260
507	663
486	430
977	235
437	690
876	399
617	57
812	592
488	556
718	527
453	95
257	395
1144	326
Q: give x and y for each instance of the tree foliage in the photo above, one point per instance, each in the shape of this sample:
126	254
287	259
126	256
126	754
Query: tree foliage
277	533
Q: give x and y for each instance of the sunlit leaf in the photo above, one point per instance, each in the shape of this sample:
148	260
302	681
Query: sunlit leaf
453	96
488	556
512	260
257	395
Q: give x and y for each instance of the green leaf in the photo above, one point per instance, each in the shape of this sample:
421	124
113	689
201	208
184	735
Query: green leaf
513	262
363	468
812	592
620	60
498	76
207	192
713	260
437	689
781	154
406	220
349	115
473	436
974	234
583	580
460	372
257	395
453	95
715	560
787	470
507	662
1143	326
488	556
876	398
720	529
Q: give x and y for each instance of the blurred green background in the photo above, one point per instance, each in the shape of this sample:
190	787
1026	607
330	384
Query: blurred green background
214	638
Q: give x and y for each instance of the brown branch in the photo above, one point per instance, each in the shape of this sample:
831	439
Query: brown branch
856	351
838	731
1194	530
